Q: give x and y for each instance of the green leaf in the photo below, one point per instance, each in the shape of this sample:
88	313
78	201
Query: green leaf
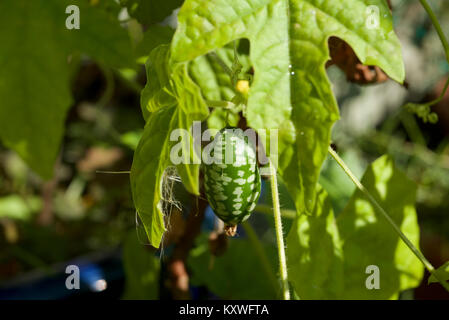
141	270
34	82
291	91
314	254
170	101
34	75
191	107
150	11
189	172
328	257
442	271
151	158
232	275
157	92
370	240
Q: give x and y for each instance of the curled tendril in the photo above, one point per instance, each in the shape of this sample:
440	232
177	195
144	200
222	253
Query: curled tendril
422	111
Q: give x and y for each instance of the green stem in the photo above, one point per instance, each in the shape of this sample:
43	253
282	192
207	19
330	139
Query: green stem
443	92
220	104
286	213
279	233
412	128
437	26
252	236
444	42
404	238
113	172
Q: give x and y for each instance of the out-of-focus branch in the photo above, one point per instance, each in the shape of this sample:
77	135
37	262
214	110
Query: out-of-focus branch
178	276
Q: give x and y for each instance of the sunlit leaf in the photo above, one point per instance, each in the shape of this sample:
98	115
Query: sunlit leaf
314	253
328	257
370	240
290	90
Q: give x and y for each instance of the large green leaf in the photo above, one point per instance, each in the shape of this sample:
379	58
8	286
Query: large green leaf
34	74
290	90
370	240
235	274
170	101
328	257
141	270
151	158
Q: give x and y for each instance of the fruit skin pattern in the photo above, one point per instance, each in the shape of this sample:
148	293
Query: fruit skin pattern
231	176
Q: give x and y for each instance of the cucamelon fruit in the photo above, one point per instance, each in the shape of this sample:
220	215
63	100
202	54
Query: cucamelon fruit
231	177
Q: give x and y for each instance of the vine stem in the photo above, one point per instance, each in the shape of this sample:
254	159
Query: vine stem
379	208
279	233
220	104
437	26
266	209
443	40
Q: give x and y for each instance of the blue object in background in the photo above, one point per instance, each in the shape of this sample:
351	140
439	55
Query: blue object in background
92	275
96	273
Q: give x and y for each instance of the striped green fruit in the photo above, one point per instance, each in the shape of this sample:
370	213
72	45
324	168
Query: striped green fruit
231	177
